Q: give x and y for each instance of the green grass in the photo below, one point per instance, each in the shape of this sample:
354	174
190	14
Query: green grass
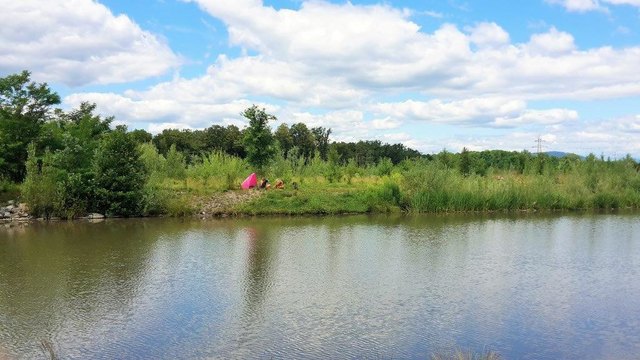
413	186
325	199
8	191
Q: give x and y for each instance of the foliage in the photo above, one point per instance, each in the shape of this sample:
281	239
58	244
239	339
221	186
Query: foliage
465	162
40	189
154	163
284	138
334	172
24	108
281	168
321	137
219	170
141	136
119	175
73	163
303	139
258	140
384	167
175	166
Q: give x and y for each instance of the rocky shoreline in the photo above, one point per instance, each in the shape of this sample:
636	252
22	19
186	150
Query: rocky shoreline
211	206
14	211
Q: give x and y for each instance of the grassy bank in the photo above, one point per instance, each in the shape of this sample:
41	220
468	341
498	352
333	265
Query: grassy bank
417	186
210	185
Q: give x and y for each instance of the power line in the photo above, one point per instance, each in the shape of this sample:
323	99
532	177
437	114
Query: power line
539	141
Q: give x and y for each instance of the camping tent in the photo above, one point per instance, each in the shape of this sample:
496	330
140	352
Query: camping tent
250	181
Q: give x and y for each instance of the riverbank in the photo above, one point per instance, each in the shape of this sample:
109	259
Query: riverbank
377	195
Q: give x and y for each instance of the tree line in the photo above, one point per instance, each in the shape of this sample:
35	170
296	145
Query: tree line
75	162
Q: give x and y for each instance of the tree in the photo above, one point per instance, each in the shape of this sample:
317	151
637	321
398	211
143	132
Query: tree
234	142
258	140
119	175
190	143
141	136
175	164
465	162
321	135
214	138
40	188
283	136
24	108
334	173
81	133
303	139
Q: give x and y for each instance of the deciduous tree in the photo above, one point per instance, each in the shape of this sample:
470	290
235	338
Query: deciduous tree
258	140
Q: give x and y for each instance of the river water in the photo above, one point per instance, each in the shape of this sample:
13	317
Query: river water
527	286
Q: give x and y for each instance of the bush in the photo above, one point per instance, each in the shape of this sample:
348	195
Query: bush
40	189
119	175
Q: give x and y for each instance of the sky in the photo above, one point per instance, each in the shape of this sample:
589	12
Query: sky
429	74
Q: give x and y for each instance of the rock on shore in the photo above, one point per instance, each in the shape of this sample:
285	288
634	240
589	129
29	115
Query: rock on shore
12	211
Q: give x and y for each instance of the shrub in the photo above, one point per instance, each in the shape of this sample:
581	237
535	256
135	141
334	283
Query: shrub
120	175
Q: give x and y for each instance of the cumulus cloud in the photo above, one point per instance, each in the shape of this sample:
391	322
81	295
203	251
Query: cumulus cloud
379	48
553	42
578	5
334	65
488	35
592	5
78	42
165	111
347	125
623	2
386	123
539	117
496	112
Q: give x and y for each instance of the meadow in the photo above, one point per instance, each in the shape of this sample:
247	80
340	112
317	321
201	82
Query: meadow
437	184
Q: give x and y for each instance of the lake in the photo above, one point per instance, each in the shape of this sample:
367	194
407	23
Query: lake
528	286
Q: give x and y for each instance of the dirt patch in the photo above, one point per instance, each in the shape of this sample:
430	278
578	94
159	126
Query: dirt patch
224	203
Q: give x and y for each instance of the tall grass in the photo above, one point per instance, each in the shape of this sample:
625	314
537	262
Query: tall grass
433	187
219	170
418	185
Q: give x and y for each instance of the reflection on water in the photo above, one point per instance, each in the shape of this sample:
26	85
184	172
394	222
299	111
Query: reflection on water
554	286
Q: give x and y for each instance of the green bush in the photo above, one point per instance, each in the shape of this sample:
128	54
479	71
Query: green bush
119	176
40	188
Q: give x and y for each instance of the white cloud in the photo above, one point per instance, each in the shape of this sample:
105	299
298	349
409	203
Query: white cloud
334	65
78	42
624	2
378	49
474	110
497	112
591	5
539	117
488	35
553	42
165	111
386	123
578	5
347	125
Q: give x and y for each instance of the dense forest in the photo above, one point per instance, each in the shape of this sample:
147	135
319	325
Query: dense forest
70	163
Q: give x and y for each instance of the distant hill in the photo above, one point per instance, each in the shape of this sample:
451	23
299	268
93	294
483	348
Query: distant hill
561	154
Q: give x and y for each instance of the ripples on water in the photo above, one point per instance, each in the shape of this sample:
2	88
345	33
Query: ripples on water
530	287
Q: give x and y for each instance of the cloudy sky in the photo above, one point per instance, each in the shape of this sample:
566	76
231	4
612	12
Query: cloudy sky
430	74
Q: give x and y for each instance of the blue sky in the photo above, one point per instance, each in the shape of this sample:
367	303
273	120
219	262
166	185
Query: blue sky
429	74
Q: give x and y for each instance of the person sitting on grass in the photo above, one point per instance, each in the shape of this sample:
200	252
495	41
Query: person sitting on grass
264	184
279	184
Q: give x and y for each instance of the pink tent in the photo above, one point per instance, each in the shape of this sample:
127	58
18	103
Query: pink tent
251	181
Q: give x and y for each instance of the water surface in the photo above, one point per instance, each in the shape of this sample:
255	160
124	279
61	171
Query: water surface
529	287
